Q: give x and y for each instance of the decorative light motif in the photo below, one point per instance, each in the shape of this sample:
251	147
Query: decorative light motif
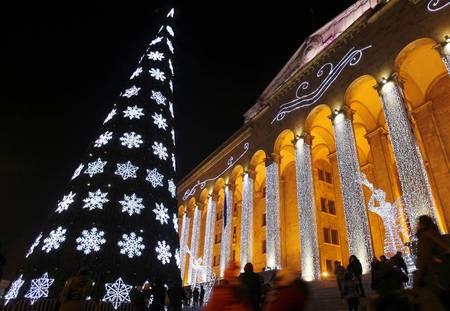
132	91
95	167
209	234
359	238
351	58
177	257
437	5
183	243
156	40
195	238
64	204
39	288
103	139
136	73
159	121
159	150
169	44
225	246
131	140
309	251
246	221
171	67
77	171
170	30
35	243
117	293
95	200
161	213
171	110
172	132
413	179
131	245
172	188
54	239
131	204
157	74
175	222
273	255
14	289
133	113
155	55
154	177
110	115
90	240
231	163
174	162
158	97
163	252
126	170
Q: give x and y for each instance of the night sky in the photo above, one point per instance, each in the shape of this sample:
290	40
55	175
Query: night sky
62	68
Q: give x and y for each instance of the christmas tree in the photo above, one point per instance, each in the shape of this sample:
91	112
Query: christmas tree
118	215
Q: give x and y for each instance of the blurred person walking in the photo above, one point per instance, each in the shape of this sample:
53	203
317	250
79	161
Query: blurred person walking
75	291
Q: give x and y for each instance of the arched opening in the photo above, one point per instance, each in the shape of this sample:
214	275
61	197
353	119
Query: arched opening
235	186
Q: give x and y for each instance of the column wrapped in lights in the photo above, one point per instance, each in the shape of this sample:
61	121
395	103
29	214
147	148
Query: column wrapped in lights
411	170
246	221
209	234
225	245
183	243
444	50
273	215
359	238
306	209
195	237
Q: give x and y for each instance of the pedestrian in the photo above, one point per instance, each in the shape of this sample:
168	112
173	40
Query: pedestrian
400	262
355	268
140	296
176	295
75	291
158	292
251	285
195	296
226	295
202	295
374	265
339	272
351	291
289	293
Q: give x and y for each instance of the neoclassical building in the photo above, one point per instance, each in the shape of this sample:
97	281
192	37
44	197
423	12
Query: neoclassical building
368	93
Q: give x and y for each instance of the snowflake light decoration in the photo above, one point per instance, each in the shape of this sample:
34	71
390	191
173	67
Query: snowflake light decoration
126	170
171	67
170	30
175	222
131	245
177	257
117	293
54	239
156	40
169	44
163	251
160	150
133	113
174	163
172	133
110	115
171	85
159	121
95	167
132	91
172	188
155	55
154	177
95	200
136	73
171	110
103	139
158	97
65	202
14	289
90	240
161	213
35	243
131	204
39	288
77	171
131	140
157	74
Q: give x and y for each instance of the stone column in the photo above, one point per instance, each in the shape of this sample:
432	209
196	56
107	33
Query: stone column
358	230
195	237
273	255
246	245
209	235
309	245
410	168
184	243
225	241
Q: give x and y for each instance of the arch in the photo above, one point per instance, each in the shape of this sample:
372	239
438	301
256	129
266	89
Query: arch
315	113
284	148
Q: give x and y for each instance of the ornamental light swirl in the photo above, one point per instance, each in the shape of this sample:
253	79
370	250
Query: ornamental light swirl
437	5
351	58
231	162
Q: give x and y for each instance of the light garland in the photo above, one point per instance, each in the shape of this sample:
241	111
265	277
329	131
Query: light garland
39	288
196	222
14	289
183	244
117	293
437	5
359	238
209	235
246	221
225	245
273	260
309	246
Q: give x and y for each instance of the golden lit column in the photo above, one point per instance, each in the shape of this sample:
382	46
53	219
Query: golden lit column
414	182
444	50
358	230
246	243
209	234
184	243
225	241
195	237
309	245
273	255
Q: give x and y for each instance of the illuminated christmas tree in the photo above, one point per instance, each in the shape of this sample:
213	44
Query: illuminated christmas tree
117	216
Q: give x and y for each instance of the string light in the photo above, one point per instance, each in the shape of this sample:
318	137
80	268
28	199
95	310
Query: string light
196	221
246	221
272	217
225	246
209	235
183	243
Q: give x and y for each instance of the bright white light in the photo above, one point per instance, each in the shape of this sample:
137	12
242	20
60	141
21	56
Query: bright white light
103	139
172	133
133	113
95	167
273	255
132	91
437	5
90	240
169	45
132	204
95	200
14	289
157	74
195	238
161	213
35	243
39	288
155	55
160	150
131	245
170	30
247	222
177	257
171	67
171	109
136	73
159	121
126	170
131	140
175	223
155	178
158	97
174	163
117	293
183	243
225	246
64	204
163	251
209	235
54	239
156	40
77	171
110	115
172	188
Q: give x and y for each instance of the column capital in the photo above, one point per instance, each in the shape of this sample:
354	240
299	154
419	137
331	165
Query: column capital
344	111
378	131
307	138
273	158
394	78
214	196
231	186
201	205
251	173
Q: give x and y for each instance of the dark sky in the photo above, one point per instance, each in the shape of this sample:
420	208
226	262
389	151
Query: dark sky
62	67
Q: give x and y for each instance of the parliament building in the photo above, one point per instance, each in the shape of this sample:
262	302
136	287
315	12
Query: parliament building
341	153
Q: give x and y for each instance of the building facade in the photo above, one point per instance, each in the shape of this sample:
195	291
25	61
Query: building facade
368	93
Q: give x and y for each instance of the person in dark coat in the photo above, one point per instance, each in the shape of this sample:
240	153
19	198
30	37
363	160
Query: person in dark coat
140	296
251	285
195	296
351	291
176	297
159	296
339	272
398	261
202	295
374	265
75	291
355	268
